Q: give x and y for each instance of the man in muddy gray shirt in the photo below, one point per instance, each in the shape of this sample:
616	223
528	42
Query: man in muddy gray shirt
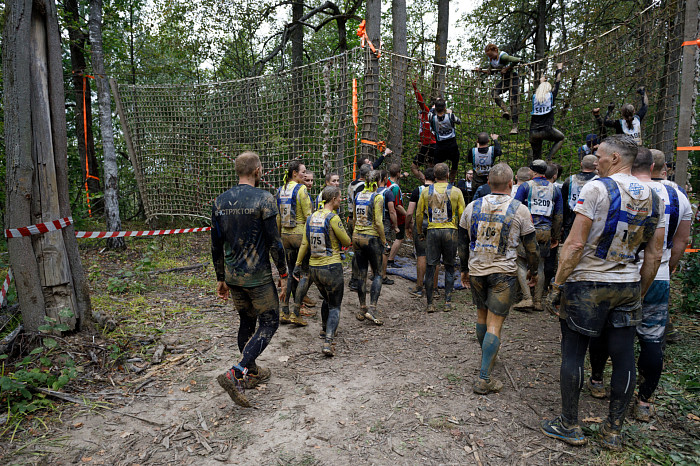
243	236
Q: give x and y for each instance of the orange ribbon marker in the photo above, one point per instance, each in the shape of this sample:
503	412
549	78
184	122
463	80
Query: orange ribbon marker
355	113
688	148
692	42
87	168
692	250
381	145
362	34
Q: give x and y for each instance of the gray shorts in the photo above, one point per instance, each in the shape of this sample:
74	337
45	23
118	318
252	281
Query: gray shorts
495	292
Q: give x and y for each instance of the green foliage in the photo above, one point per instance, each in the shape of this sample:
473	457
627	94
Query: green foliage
133	281
690	283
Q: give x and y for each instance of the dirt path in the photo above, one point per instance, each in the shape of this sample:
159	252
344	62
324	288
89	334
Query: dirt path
396	394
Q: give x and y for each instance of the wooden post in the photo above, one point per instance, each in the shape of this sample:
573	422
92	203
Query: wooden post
689	87
48	273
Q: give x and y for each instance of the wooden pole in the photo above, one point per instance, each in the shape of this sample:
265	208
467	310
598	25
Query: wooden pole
689	83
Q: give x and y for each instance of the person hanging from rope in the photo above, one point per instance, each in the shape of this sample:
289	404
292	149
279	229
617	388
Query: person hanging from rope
599	285
391	227
369	243
295	207
244	235
504	63
426	152
444	205
546	206
542	120
323	236
631	122
418	244
490	230
393	185
483	157
442	123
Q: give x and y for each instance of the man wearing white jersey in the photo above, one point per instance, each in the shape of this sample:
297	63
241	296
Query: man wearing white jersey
600	286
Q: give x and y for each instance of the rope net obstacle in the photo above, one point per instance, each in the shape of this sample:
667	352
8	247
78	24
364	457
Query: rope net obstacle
186	136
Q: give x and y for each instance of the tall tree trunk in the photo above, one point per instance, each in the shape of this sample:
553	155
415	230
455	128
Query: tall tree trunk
399	66
111	172
370	101
540	37
667	109
48	273
443	25
83	112
297	39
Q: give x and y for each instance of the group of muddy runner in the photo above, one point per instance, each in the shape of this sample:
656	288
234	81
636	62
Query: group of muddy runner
598	249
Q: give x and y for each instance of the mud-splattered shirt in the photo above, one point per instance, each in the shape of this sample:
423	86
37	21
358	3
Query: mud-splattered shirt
243	235
635	201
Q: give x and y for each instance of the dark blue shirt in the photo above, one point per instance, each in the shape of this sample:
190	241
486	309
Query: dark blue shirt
243	235
541	222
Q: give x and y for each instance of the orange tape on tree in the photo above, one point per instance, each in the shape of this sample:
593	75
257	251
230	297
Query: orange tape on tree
688	148
362	34
381	145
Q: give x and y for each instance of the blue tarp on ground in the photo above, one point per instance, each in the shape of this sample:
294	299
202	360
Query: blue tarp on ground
408	271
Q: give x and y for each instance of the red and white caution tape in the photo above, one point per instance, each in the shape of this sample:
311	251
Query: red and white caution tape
121	234
39	228
6	286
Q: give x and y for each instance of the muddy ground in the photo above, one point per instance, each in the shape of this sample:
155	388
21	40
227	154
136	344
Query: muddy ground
396	394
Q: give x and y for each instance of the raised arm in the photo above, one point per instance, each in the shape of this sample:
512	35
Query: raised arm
419	99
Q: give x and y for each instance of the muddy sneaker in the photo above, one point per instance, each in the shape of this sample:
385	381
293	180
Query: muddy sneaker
322	333
597	388
537	306
253	379
416	292
436	294
328	349
284	318
353	286
308	302
524	304
373	315
306	312
672	333
611	437
483	387
642	412
430	308
234	388
361	313
298	320
556	429
448	306
387	281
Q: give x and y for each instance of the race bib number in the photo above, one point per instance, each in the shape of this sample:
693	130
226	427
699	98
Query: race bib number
361	214
318	243
629	235
439	208
488	237
541	207
286	214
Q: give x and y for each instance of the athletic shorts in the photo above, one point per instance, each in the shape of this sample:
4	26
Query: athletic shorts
425	156
255	300
441	243
654	312
420	245
589	307
402	232
495	292
389	231
447	150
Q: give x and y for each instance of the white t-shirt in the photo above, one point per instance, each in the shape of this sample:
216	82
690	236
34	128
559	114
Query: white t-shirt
484	256
615	262
685	212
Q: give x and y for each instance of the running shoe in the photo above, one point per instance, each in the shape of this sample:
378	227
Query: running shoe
672	333
597	388
448	306
642	412
556	429
328	349
298	320
361	313
255	378
387	281
322	333
483	387
373	315
284	318
430	308
524	304
353	285
537	306
234	388
416	292
611	437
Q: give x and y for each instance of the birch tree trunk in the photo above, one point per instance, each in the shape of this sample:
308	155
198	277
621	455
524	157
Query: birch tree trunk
48	273
111	173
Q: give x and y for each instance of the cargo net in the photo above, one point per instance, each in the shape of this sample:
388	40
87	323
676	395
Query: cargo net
331	113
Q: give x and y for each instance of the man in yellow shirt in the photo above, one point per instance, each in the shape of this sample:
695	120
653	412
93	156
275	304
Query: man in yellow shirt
369	242
444	205
323	236
294	205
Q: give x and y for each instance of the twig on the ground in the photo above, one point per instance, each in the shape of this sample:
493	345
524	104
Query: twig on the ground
515	386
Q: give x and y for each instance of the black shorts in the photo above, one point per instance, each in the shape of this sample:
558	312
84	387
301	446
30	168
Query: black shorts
425	156
495	292
402	232
441	243
447	150
589	307
254	301
420	245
